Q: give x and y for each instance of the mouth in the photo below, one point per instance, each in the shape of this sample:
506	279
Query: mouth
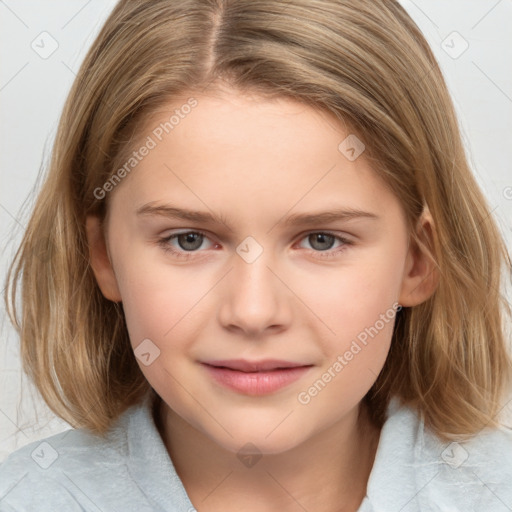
255	377
242	365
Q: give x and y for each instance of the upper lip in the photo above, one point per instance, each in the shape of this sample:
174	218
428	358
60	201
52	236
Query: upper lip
254	366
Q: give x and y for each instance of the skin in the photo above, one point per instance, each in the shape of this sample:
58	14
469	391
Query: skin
252	162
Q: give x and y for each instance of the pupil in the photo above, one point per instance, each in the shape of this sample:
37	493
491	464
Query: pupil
190	241
321	241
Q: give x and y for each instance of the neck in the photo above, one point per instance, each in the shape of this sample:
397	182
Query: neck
329	472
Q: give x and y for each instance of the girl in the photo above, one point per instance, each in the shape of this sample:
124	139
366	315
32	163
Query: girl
260	275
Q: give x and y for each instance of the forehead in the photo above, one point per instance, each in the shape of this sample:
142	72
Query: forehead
248	153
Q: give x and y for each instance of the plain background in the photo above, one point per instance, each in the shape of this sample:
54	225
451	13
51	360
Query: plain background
34	85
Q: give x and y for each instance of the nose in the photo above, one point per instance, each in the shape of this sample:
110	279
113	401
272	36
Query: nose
254	300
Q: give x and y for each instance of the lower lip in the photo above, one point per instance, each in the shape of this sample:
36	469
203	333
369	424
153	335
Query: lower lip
256	383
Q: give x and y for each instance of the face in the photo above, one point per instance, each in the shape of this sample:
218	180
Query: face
266	316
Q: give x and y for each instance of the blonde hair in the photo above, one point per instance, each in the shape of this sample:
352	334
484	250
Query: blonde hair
366	63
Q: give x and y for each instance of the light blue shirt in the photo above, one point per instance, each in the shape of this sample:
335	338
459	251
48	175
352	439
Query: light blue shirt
130	470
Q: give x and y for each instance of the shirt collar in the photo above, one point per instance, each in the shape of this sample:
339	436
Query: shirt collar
149	462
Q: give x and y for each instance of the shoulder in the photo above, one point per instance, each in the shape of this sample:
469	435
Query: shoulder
474	474
417	469
57	471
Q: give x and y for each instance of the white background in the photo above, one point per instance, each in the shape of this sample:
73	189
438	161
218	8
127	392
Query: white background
33	90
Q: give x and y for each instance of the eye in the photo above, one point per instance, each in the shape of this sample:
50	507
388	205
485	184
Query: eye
179	244
187	243
323	242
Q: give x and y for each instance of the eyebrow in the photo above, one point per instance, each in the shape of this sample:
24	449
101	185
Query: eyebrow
297	219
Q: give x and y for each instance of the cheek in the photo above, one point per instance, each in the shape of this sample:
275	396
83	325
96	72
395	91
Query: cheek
159	303
355	296
361	315
357	308
157	298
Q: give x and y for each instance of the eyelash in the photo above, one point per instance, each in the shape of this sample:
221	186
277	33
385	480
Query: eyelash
329	253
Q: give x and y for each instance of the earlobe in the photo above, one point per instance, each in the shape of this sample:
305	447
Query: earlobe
421	275
99	259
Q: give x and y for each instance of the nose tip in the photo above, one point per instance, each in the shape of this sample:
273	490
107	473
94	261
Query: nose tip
254	300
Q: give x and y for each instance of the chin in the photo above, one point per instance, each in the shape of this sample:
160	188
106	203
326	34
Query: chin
257	438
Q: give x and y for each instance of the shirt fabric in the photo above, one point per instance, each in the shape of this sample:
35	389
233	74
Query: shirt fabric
130	470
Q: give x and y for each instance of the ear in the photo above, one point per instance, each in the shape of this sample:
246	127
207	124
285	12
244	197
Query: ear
421	276
100	259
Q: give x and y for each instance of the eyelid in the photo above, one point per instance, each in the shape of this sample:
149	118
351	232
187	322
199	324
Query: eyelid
328	253
164	243
340	235
184	231
175	234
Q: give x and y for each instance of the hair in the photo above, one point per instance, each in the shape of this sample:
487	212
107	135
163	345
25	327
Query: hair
366	63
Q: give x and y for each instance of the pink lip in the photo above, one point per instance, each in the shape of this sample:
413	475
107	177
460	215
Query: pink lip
255	377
